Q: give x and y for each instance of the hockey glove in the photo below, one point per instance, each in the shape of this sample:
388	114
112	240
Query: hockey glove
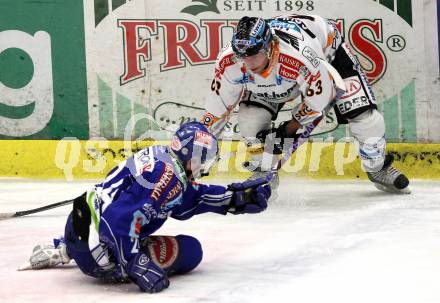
250	196
276	137
146	274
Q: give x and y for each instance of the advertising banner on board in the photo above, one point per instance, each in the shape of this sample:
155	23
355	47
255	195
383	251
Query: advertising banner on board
43	85
117	68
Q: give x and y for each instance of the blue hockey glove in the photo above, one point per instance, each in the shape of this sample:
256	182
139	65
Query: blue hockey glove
146	274
250	196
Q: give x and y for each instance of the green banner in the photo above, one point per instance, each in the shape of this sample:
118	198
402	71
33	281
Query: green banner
43	85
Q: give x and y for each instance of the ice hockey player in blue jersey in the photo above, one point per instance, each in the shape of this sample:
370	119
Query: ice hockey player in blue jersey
109	232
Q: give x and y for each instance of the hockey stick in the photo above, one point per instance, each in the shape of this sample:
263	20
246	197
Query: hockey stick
304	136
4	216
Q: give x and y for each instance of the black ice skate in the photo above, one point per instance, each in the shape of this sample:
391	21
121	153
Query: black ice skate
389	179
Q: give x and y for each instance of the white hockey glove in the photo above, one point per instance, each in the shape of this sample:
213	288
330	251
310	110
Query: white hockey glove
46	256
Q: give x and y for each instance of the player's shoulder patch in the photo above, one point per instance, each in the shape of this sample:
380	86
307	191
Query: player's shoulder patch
294	63
311	56
225	59
144	161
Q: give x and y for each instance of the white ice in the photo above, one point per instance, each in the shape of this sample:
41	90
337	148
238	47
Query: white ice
339	241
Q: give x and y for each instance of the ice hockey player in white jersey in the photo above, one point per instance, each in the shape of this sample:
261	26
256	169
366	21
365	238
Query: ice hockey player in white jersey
109	231
270	62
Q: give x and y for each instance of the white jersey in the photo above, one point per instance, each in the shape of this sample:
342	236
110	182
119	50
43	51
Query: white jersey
294	69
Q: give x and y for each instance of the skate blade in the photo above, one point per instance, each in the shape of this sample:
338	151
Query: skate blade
393	190
273	197
26	266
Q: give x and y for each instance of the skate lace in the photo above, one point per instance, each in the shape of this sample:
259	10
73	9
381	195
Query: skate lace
385	176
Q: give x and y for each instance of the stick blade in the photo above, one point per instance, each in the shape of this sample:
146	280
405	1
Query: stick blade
25	266
5	216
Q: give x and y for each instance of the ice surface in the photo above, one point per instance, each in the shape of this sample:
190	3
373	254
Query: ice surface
320	242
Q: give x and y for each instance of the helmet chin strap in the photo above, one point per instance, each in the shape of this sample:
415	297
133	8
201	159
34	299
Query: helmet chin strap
181	165
184	164
188	172
272	55
269	52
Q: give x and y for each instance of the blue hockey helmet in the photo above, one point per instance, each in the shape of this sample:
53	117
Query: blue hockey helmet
250	36
193	142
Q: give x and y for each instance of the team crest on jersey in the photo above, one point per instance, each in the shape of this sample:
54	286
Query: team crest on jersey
203	139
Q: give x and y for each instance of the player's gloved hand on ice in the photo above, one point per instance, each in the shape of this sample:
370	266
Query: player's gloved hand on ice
46	256
276	136
146	274
250	196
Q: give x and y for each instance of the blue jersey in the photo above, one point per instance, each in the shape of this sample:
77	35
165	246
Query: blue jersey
135	200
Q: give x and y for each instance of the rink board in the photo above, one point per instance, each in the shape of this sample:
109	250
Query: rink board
95	68
75	159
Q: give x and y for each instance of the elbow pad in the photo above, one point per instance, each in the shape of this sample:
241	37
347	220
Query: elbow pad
304	114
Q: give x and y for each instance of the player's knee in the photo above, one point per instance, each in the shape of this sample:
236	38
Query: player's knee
369	124
79	250
190	254
176	255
